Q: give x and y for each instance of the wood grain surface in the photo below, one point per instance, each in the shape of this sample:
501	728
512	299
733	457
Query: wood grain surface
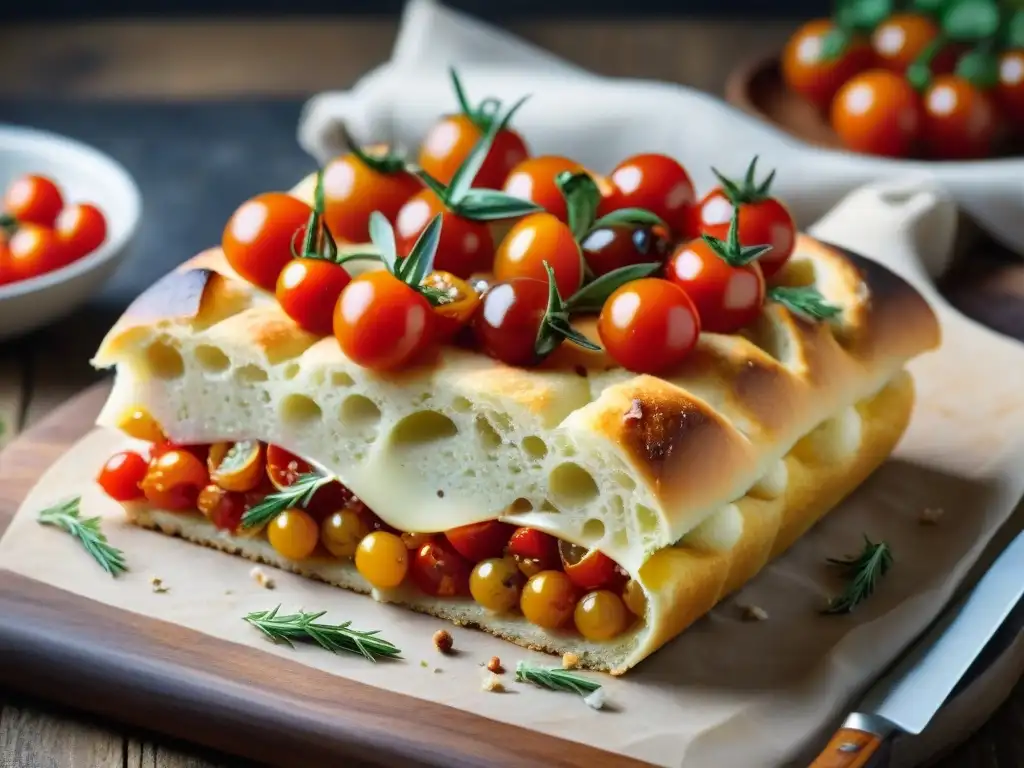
196	60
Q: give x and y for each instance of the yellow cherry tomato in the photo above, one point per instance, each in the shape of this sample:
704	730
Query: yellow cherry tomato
138	423
342	532
293	534
382	559
548	599
495	584
600	615
236	466
634	598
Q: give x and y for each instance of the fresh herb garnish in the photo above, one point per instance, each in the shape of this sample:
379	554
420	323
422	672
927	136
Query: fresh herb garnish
748	190
67	517
385	162
414	268
335	638
862	573
556	679
729	250
582	198
298	494
803	300
483	116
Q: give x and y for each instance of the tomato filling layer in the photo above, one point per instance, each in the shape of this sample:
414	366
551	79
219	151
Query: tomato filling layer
253	488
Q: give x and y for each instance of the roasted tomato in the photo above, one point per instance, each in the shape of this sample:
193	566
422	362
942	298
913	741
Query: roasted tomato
548	599
590	569
1010	90
479	541
810	71
649	325
437	569
465	247
533	240
33	199
534	180
496	584
174	479
878	113
655	183
534	551
727	297
959	120
236	466
81	229
308	290
381	323
121	476
606	249
260	235
34	250
902	38
284	468
509	321
222	508
359	183
461	304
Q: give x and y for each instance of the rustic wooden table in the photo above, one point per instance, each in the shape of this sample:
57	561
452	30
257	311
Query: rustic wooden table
196	60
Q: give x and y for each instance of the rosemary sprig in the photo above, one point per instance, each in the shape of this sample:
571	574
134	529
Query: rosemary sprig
862	573
67	517
298	494
555	679
335	638
804	300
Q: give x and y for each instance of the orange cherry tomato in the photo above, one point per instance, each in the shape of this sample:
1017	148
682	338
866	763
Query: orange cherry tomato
284	467
33	199
455	314
765	222
81	229
201	452
222	508
307	291
381	323
1010	90
900	39
449	142
509	320
656	183
121	475
353	190
959	122
534	180
878	113
533	240
437	569
34	250
237	466
534	551
590	569
464	247
648	325
480	541
727	297
174	479
606	249
259	236
806	70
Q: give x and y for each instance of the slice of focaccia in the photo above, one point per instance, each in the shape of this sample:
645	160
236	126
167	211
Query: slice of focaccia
672	491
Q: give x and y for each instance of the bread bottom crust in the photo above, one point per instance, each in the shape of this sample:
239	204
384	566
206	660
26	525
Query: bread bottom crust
682	582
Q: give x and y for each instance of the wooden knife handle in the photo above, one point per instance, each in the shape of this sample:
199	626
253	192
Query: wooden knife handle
848	748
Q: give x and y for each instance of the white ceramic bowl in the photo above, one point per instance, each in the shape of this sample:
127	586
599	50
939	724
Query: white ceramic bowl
84	174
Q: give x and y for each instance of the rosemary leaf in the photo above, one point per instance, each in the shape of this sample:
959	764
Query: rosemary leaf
862	573
298	494
67	517
803	300
555	679
336	638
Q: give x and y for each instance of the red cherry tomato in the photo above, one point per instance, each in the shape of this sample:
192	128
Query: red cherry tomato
534	551
381	323
479	541
284	467
81	229
121	475
767	222
437	569
174	479
959	120
353	190
533	240
900	39
6	276
509	320
33	251
806	70
449	142
590	569
656	183
223	508
465	246
307	291
534	180
258	238
454	315
329	499
606	249
878	113
1010	90
648	325
33	199
727	297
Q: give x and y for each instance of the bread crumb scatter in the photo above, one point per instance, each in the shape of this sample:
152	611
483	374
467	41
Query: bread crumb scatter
261	578
158	585
754	613
443	640
931	515
494	665
492	684
570	661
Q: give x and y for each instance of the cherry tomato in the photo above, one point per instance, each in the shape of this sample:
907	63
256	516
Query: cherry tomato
174	479
201	452
606	249
509	319
342	532
1010	90
533	240
464	247
438	570
81	229
534	180
258	238
330	498
382	559
959	120
479	541
121	475
381	323
727	297
140	424
767	222
6	275
534	551
806	70
600	615
589	569
307	291
293	534
284	468
878	113
236	466
33	199
449	142
648	325
900	39
222	508
353	190
634	598
496	584
548	599
656	183
33	251
454	315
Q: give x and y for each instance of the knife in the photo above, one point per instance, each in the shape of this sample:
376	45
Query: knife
907	698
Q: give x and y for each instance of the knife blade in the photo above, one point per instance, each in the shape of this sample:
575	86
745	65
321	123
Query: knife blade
909	695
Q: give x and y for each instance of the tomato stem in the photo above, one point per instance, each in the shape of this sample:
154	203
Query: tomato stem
8	223
730	250
555	326
748	191
386	163
919	73
317	242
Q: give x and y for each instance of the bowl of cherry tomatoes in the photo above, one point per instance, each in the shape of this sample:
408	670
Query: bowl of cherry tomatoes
67	216
940	80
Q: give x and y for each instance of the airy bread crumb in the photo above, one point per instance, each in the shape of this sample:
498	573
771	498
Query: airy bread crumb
492	684
261	578
570	660
158	585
